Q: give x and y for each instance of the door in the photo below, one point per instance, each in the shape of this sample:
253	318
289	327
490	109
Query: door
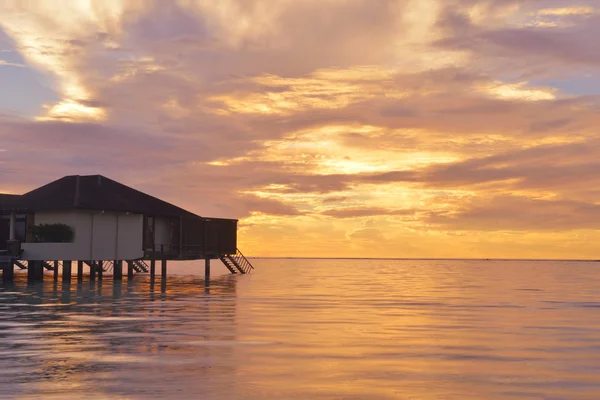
149	228
4	231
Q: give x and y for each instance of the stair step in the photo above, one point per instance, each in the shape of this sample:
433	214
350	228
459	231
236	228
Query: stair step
48	266
237	263
228	264
140	266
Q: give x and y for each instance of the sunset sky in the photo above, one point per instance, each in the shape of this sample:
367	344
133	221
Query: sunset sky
355	128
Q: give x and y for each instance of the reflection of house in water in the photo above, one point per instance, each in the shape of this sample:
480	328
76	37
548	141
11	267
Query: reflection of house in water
97	221
94	343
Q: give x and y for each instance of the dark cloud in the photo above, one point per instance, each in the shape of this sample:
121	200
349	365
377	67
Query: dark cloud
266	206
340	199
567	43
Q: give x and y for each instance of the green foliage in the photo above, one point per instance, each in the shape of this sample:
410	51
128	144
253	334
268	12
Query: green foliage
53	233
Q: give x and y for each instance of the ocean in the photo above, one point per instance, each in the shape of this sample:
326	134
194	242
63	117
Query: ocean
310	329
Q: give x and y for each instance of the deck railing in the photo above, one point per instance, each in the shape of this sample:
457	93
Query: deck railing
187	250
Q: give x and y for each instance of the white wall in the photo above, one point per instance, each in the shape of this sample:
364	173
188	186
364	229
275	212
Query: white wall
98	236
130	243
104	236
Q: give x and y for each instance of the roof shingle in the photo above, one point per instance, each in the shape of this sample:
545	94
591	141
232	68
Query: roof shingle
92	192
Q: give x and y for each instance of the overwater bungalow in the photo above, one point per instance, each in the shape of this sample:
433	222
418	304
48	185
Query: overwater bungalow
102	223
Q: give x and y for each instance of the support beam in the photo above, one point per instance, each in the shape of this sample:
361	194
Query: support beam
35	271
8	273
163	271
55	271
13	226
66	276
79	271
152	269
130	270
100	269
207	268
118	270
92	265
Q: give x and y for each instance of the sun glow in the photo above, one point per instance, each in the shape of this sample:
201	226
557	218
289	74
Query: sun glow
567	11
325	150
517	91
323	89
71	111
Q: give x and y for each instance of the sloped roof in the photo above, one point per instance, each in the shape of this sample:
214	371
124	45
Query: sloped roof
92	192
6	200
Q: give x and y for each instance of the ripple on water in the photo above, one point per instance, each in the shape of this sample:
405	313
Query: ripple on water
310	329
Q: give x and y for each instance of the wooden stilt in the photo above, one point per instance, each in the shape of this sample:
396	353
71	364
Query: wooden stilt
163	271
55	264
92	271
8	273
152	269
79	271
35	271
66	276
100	269
207	268
118	270
130	270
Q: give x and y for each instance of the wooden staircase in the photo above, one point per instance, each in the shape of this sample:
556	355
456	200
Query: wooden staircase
140	266
237	263
107	266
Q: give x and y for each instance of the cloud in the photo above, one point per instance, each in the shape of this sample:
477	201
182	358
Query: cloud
368	234
353	212
254	204
567	11
339	199
517	213
9	64
559	44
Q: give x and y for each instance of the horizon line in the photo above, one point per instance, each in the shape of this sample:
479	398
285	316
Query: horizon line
428	259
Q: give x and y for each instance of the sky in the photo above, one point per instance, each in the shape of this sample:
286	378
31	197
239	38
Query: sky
330	128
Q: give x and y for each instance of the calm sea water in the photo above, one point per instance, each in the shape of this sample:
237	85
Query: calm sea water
310	329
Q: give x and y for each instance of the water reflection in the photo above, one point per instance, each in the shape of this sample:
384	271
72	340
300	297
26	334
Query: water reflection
91	339
310	329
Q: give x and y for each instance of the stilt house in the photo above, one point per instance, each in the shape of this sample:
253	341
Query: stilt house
93	218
